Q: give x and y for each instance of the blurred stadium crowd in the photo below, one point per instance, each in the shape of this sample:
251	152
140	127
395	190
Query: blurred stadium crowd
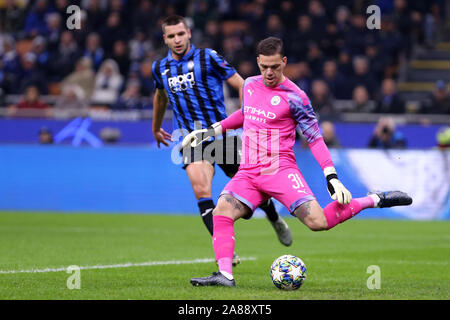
107	62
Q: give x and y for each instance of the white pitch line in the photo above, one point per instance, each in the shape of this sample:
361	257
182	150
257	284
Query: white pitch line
120	265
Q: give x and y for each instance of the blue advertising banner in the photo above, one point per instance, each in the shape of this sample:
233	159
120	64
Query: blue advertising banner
145	180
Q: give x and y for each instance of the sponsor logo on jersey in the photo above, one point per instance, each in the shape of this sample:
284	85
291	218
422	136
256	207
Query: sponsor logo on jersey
181	82
259	112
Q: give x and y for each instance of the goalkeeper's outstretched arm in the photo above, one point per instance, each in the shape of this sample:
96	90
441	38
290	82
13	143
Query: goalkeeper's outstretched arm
196	137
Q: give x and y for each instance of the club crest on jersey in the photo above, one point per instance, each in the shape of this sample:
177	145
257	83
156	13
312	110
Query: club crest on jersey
181	82
275	100
190	65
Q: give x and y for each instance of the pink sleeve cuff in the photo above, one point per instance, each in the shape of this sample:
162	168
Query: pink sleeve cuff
321	153
234	121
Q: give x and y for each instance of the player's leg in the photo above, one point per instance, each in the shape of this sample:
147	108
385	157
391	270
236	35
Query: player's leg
238	200
227	157
200	175
228	210
317	219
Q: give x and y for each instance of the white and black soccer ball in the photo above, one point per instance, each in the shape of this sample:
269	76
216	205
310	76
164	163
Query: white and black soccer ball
288	272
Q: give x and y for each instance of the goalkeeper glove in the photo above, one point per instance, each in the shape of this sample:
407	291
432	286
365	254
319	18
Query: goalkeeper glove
335	188
197	137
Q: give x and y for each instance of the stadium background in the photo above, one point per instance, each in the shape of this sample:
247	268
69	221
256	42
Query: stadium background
76	105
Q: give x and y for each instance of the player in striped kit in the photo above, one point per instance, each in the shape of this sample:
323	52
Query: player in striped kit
190	79
272	108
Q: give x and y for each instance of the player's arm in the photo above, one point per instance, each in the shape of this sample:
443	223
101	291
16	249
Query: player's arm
160	101
302	112
196	137
237	82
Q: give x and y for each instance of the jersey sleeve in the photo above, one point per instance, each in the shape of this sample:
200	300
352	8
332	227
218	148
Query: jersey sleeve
220	66
157	75
303	113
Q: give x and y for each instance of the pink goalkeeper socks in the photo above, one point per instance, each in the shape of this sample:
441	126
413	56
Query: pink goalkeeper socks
223	242
336	213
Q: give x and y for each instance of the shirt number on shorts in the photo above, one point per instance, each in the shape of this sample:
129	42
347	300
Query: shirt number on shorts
298	182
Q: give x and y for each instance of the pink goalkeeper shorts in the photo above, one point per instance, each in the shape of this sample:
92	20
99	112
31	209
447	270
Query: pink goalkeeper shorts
287	186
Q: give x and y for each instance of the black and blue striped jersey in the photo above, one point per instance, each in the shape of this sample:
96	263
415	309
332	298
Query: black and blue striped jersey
194	85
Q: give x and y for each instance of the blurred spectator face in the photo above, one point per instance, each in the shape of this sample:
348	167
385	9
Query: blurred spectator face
360	65
116	5
120	48
328	131
274	23
344	57
38	44
272	68
303	70
212	28
330	69
304	23
315	8
342	14
93	42
54	21
61	4
66	38
319	89
371	51
113	20
83	64
388	87
314	51
133	89
41	5
399	5
177	38
358	21
286	6
45	136
360	95
31	94
246	69
29	61
146	69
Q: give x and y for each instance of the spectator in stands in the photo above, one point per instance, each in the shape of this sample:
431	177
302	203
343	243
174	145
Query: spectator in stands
71	102
297	44
108	83
139	46
145	78
389	101
315	58
95	10
65	57
10	65
386	136
12	17
322	100
112	31
121	57
83	76
30	74
39	48
30	104
45	136
54	30
438	101
329	135
130	99
362	76
377	60
35	21
303	77
93	50
361	102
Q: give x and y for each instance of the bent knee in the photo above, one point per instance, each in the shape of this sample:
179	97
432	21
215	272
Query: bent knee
317	223
201	190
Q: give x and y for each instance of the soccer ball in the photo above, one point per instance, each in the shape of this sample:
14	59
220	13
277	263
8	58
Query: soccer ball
288	272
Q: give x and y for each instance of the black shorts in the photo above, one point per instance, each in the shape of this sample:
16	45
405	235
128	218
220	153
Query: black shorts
226	153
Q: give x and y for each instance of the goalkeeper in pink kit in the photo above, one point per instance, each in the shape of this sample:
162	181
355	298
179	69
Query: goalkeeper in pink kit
272	108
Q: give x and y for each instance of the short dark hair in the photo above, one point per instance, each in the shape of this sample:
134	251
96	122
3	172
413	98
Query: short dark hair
270	46
173	20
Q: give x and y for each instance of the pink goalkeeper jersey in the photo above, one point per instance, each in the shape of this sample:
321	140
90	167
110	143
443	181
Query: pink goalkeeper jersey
270	118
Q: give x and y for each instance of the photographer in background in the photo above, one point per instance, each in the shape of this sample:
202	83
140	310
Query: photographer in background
386	136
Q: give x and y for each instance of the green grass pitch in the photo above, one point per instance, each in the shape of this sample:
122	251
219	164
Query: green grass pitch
413	258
